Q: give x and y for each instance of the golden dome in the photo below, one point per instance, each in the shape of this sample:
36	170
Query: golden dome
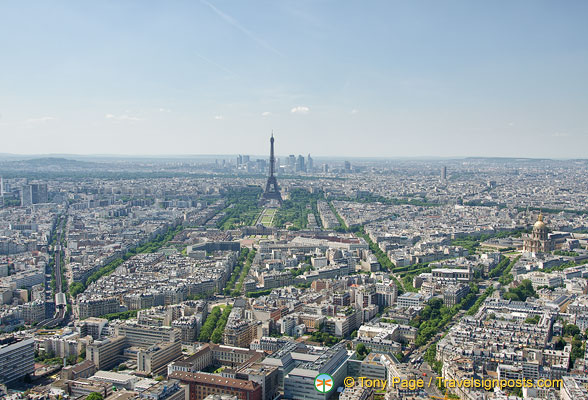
539	225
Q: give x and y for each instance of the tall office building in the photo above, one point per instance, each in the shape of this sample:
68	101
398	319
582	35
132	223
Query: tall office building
17	358
26	197
39	193
444	173
145	336
33	194
309	163
154	359
260	165
300	165
299	382
105	353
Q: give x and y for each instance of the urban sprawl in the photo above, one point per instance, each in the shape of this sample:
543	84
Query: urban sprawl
246	278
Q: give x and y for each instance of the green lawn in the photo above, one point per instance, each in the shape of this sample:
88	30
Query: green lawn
267	216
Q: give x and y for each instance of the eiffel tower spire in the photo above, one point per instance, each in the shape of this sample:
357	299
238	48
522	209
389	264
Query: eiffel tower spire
272	191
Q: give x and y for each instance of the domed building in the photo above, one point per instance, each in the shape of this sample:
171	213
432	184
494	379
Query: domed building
538	241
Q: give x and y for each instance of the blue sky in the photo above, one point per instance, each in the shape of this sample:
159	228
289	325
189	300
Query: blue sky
352	78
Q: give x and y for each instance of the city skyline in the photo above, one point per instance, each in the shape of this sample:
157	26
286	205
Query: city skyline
383	79
416	227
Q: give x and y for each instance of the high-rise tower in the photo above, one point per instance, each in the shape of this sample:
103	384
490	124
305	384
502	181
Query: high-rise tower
272	191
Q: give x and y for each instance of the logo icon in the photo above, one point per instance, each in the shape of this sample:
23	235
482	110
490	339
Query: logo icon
323	383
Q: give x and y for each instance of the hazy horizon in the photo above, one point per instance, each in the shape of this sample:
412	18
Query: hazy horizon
4	156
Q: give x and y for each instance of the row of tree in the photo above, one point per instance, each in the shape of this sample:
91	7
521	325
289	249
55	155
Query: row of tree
217	334
209	324
296	209
383	259
259	293
500	268
242	207
214	325
506	276
121	315
474	309
435	316
244	272
472	242
236	271
368	197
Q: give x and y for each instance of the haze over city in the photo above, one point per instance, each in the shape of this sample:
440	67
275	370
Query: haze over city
361	79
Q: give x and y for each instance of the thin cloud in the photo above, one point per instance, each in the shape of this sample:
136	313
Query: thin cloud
219	117
246	31
300	110
164	110
266	114
40	120
123	117
354	111
208	60
561	134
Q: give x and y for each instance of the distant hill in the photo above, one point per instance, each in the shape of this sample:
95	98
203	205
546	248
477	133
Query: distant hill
47	164
53	161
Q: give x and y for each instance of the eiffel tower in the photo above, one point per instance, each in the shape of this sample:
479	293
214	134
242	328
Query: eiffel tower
272	191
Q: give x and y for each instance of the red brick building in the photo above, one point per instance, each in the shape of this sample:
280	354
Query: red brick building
203	384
